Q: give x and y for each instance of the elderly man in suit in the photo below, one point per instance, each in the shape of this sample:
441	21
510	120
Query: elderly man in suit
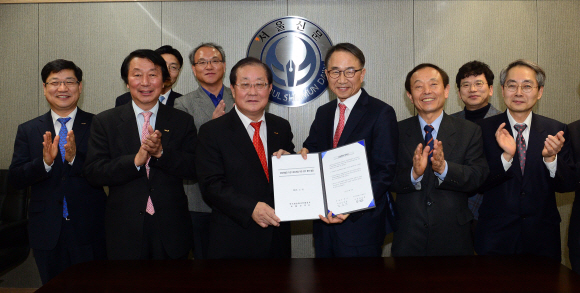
174	63
440	164
143	150
234	169
530	159
209	101
355	116
66	214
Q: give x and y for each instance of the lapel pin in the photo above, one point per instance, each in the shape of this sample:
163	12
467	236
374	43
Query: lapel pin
83	123
275	132
166	130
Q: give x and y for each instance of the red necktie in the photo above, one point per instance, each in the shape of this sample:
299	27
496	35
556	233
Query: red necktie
259	146
144	133
340	126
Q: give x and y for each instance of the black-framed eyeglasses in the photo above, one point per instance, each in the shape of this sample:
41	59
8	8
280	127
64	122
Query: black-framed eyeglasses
204	63
258	85
67	83
526	88
348	73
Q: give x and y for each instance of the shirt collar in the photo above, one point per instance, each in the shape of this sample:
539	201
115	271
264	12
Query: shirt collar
138	110
513	122
166	96
219	96
350	102
436	124
55	116
246	121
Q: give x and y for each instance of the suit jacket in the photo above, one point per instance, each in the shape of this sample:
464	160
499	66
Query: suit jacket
86	204
126	98
491	112
517	209
110	161
199	105
434	220
233	182
574	229
375	122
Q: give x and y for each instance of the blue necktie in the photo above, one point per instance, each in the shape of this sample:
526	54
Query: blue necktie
61	142
161	98
429	140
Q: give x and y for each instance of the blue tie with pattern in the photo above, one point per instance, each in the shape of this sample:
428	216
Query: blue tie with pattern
429	140
61	142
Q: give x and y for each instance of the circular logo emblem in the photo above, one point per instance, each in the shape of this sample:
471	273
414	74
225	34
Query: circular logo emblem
294	48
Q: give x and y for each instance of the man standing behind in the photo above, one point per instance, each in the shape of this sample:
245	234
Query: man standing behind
530	159
143	150
209	101
66	214
574	229
174	63
440	164
475	84
354	116
234	168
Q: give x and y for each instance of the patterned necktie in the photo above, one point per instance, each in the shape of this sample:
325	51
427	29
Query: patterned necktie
429	140
340	126
144	133
161	98
521	145
259	146
61	142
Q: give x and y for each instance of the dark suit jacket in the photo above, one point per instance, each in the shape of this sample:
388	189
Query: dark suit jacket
519	213
232	181
126	98
434	220
574	229
86	204
110	161
375	122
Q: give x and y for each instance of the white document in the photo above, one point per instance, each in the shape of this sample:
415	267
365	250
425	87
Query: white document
337	180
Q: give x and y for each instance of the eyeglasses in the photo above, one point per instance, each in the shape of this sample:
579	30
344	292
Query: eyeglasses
258	85
526	88
173	68
204	63
478	85
67	83
349	73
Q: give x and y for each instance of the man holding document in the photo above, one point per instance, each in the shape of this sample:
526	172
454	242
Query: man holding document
355	116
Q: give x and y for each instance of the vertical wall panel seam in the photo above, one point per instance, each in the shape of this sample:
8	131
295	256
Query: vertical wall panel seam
414	54
37	56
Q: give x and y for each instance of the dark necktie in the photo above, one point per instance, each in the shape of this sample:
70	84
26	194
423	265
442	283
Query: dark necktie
521	145
61	142
429	140
259	146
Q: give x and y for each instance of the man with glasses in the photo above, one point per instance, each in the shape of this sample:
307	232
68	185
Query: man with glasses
66	214
355	116
530	159
233	161
474	82
209	101
174	63
440	164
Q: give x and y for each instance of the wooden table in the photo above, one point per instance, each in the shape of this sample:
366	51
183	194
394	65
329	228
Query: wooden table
404	274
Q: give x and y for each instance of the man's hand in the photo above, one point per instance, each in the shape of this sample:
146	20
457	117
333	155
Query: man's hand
304	152
329	219
438	158
265	216
49	148
552	146
153	143
219	110
420	160
70	148
279	153
506	142
141	157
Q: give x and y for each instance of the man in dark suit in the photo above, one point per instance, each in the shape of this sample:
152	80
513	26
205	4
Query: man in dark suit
66	214
362	233
234	168
174	63
440	164
530	159
143	150
574	229
209	101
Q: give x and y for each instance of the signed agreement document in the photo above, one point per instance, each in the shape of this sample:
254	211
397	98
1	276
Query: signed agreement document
337	180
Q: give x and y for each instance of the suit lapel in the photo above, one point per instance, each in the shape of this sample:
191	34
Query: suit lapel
163	123
81	125
356	114
535	146
447	135
243	143
128	129
413	137
47	125
205	103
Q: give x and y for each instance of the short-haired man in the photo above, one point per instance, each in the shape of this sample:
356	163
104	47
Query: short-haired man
355	116
440	163
174	62
66	214
530	159
574	228
474	82
234	169
143	150
209	101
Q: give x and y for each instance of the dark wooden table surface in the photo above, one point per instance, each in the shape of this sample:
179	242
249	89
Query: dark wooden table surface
407	274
